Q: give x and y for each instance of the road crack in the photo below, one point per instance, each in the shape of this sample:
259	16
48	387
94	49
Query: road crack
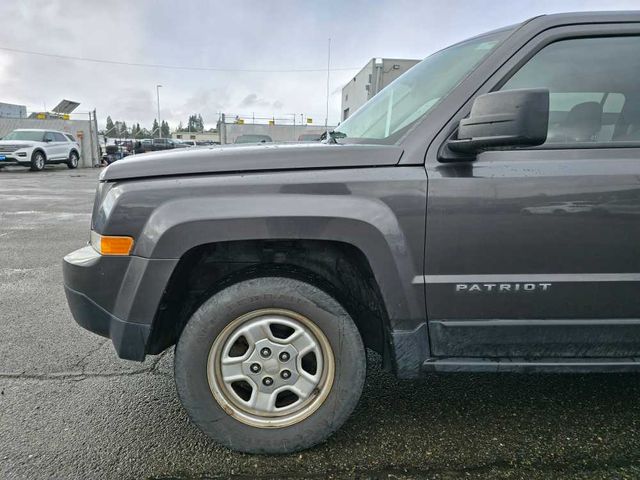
80	375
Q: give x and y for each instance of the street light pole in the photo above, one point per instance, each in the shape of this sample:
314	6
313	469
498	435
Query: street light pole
159	121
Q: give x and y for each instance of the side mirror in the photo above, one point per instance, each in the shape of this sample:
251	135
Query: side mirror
47	140
510	118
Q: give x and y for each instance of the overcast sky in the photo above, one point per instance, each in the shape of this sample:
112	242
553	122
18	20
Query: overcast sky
242	35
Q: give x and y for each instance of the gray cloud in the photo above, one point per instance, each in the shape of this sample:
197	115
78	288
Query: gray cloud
254	101
245	34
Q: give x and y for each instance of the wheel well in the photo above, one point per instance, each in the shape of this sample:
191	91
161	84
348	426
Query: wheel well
338	268
41	151
76	151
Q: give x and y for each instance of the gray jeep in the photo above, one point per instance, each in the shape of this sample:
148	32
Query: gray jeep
481	213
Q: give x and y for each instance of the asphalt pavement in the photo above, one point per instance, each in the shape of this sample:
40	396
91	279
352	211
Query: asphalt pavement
69	408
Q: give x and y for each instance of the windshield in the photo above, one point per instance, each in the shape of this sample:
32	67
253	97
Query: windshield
413	94
25	135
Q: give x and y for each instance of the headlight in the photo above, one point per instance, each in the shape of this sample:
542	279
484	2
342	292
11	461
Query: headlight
21	151
111	245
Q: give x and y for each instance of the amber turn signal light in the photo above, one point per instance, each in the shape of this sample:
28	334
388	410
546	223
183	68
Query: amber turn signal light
111	245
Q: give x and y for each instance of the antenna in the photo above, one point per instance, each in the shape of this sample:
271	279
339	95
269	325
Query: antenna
326	118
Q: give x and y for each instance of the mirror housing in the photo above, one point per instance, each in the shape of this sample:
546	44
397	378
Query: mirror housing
509	118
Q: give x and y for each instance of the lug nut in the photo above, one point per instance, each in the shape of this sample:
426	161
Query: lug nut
255	367
284	356
267	381
285	374
265	352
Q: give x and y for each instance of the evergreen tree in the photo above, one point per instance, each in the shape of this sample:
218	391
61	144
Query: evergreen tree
109	131
166	131
155	130
196	123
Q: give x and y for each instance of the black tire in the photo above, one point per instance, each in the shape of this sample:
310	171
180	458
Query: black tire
194	345
38	161
73	160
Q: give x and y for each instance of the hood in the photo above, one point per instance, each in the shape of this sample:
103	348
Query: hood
20	142
247	158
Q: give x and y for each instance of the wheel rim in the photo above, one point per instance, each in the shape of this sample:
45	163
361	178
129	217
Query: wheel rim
74	159
271	368
39	162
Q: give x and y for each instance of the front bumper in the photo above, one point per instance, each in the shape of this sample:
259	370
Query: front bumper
116	297
13	159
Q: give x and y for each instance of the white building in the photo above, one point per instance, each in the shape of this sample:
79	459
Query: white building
376	74
197	136
9	110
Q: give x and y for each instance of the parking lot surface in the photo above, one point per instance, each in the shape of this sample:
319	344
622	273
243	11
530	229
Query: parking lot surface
70	409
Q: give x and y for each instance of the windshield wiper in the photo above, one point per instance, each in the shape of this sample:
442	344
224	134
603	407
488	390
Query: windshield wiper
333	135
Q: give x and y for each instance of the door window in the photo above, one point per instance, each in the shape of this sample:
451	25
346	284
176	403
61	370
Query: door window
48	137
59	137
594	94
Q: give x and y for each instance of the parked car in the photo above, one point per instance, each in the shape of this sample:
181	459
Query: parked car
406	232
310	137
35	148
114	152
159	144
253	139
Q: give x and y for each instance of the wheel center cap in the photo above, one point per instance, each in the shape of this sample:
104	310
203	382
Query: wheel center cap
271	366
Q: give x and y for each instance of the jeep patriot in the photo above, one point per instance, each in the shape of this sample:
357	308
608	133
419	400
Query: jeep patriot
481	213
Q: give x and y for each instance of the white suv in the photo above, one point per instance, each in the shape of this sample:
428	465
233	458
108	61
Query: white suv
35	148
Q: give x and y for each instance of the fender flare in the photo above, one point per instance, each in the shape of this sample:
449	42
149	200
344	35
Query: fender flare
41	150
179	225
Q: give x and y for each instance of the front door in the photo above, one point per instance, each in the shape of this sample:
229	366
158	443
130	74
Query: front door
536	253
61	145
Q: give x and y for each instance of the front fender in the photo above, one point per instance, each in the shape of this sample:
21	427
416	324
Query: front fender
367	223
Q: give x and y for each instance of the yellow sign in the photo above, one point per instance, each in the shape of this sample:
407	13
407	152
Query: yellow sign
309	120
239	121
272	122
66	116
40	116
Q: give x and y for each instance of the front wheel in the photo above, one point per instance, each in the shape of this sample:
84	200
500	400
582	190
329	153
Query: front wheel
37	161
72	162
270	365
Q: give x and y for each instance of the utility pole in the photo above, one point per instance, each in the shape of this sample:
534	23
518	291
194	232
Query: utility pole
326	118
91	132
159	121
98	148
